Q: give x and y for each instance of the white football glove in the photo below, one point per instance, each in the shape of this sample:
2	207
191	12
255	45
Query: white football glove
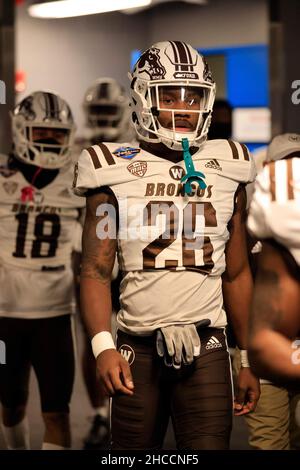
178	344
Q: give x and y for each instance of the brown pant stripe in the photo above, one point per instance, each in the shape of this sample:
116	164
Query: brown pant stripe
107	155
235	153
94	157
245	152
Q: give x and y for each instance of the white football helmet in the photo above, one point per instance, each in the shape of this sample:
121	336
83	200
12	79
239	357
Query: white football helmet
164	69
107	112
37	113
282	146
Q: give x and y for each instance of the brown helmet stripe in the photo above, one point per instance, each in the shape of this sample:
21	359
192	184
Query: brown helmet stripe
245	152
183	59
107	155
103	91
189	56
235	153
51	106
176	59
94	157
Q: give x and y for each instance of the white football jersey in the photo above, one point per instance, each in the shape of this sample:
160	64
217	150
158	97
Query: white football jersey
37	229
170	245
275	207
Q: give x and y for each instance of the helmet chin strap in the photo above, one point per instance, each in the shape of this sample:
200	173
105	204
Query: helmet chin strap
191	173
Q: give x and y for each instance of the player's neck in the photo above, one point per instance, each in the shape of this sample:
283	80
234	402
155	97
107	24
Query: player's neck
162	151
38	179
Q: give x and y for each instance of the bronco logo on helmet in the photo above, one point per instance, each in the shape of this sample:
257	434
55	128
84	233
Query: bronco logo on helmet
26	108
207	72
149	63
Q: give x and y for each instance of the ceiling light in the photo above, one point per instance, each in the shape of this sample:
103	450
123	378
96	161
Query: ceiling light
69	8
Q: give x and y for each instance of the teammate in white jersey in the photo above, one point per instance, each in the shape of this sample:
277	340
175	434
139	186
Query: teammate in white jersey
174	220
38	218
275	218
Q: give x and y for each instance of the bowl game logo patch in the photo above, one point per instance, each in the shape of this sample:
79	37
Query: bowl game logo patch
126	152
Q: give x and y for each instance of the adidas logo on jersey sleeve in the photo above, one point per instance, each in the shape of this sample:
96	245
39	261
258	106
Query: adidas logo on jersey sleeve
214	164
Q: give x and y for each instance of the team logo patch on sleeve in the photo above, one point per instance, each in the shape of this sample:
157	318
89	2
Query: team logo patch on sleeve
10	187
137	168
126	152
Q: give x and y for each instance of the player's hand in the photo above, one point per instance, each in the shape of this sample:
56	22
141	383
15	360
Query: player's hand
114	373
247	393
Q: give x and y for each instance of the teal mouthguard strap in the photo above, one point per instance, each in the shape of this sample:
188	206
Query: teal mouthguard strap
191	173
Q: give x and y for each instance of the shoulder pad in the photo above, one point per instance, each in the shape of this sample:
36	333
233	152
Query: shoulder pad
5	171
103	165
237	162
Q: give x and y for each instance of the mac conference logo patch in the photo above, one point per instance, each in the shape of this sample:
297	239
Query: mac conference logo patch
137	168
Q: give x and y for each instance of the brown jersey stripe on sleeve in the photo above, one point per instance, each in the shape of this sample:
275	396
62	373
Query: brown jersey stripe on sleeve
235	153
245	152
94	157
107	155
290	179
272	181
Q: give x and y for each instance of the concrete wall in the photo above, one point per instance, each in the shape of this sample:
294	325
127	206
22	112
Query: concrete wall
67	55
219	23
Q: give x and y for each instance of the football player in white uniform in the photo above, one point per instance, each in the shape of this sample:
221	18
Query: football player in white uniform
180	229
107	118
38	217
107	112
275	217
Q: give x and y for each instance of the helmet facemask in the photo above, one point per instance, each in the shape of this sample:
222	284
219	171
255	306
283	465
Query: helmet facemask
42	141
174	112
176	68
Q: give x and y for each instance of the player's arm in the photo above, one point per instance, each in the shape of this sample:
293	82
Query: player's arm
275	319
98	257
237	292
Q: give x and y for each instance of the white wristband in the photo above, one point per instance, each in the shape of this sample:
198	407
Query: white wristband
102	341
244	358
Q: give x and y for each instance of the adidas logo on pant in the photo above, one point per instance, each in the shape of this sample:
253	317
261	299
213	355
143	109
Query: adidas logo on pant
213	343
213	164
